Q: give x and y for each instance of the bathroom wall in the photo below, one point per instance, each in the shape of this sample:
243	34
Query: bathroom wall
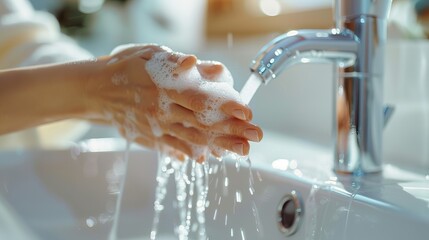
250	17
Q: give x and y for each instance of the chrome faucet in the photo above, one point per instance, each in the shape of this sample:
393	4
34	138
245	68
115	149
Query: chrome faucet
356	47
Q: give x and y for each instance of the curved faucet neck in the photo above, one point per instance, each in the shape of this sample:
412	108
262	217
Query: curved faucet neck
305	46
356	46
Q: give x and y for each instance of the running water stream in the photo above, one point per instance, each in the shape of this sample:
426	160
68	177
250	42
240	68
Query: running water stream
122	173
192	190
250	87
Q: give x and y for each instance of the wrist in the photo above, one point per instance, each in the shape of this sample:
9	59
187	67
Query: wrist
94	81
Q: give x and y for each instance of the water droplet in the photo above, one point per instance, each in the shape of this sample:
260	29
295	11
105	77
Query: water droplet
251	190
104	218
238	196
256	215
259	176
242	234
153	234
91	222
293	164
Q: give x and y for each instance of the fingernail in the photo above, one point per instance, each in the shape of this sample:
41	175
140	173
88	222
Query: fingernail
252	135
238	148
238	113
181	157
201	159
181	59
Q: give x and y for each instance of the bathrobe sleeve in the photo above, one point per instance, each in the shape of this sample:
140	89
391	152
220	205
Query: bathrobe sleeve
29	37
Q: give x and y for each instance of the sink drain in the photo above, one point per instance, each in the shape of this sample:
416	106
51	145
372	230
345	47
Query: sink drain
289	213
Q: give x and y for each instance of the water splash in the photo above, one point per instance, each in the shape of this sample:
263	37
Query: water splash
251	179
242	234
238	196
226	180
311	229
191	181
121	177
252	192
257	218
181	195
162	177
229	208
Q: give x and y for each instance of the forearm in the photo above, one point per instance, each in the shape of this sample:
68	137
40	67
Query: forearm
42	94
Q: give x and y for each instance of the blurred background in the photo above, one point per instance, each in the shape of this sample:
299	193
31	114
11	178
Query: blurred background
184	25
299	103
229	31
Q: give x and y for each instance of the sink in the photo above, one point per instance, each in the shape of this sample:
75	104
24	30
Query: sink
67	194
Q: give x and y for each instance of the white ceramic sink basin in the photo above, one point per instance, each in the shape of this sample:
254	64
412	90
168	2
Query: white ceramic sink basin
59	194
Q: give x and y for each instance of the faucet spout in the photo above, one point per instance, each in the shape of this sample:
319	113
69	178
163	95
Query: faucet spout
305	46
356	47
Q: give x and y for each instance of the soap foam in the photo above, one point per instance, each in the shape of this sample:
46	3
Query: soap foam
164	102
219	90
154	125
119	79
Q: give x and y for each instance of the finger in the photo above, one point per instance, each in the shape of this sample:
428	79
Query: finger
99	120
195	100
188	134
144	127
176	143
234	144
185	63
210	69
191	99
179	114
131	49
146	54
237	110
145	141
152	144
133	127
216	151
239	128
177	154
127	49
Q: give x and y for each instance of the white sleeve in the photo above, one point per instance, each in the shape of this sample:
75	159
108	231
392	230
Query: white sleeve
29	37
21	7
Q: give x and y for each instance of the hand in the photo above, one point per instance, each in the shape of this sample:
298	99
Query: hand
122	93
